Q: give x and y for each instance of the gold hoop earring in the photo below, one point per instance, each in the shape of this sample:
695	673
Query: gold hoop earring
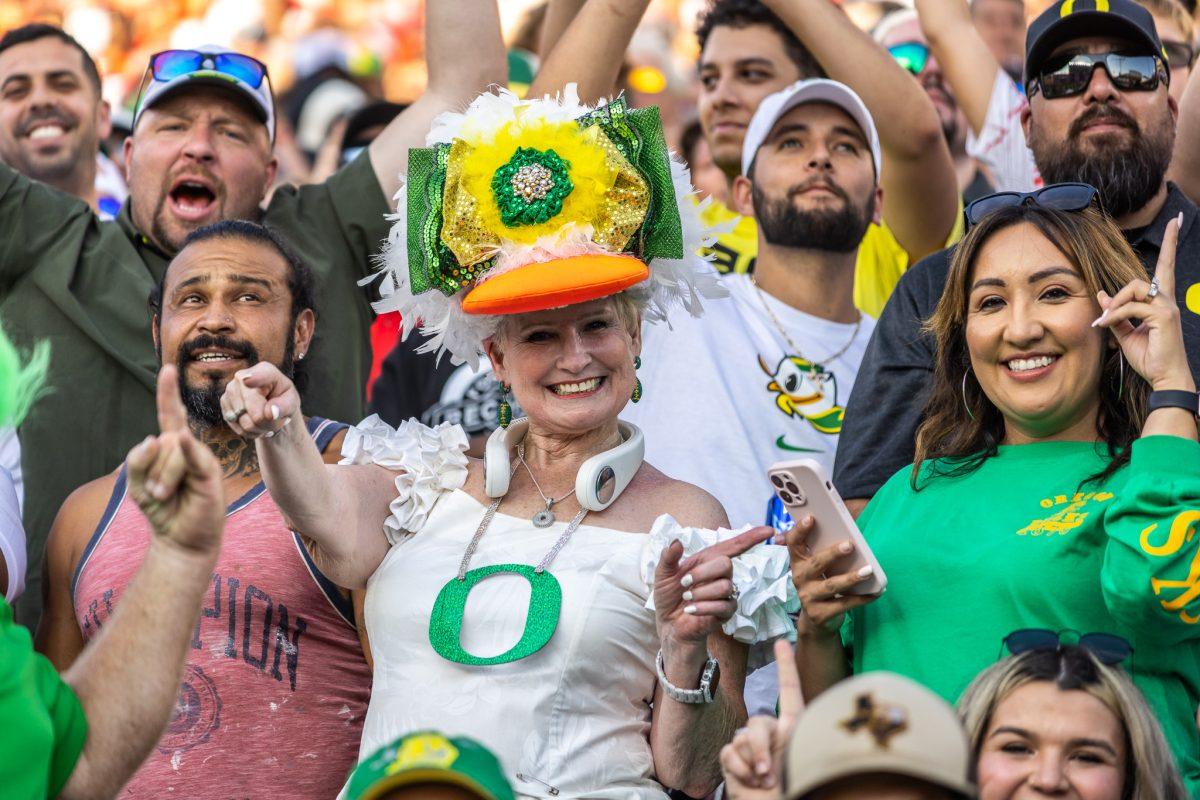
964	397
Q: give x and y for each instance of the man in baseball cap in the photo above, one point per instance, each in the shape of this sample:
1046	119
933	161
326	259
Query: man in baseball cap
1067	20
429	766
878	735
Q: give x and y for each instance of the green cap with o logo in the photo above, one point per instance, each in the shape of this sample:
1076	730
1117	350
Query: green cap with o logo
429	757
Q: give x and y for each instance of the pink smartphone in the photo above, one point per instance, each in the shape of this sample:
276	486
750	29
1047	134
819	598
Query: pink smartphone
805	489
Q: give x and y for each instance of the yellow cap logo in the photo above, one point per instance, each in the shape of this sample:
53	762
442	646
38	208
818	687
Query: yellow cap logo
427	750
1069	7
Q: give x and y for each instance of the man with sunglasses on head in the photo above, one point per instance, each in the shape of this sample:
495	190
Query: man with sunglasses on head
1099	113
201	151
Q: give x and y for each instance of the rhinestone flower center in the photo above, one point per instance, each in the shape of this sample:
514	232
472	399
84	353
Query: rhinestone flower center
532	182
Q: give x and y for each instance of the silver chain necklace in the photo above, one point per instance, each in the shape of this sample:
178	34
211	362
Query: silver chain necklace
762	297
544	518
487	520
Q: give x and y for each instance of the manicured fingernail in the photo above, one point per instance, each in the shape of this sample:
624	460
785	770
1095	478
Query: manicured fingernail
268	434
845	547
1100	319
865	571
1180	218
287	422
763	768
686	581
687	595
689	609
274	411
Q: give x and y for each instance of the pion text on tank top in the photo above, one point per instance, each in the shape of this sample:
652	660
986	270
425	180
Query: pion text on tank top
276	685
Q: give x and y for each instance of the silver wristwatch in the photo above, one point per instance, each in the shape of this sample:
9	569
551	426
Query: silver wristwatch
710	676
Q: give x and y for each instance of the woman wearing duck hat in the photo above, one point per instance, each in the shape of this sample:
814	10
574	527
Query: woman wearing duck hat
572	608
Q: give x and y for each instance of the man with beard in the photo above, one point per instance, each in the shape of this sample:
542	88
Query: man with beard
201	151
1099	113
276	683
900	34
750	49
765	373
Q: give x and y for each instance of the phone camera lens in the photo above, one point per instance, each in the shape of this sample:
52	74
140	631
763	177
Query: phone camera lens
791	487
786	497
777	481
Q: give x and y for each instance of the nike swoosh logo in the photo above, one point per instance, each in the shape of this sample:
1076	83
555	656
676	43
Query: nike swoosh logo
782	445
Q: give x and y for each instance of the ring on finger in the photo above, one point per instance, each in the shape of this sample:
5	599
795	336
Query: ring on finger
231	416
735	594
1153	291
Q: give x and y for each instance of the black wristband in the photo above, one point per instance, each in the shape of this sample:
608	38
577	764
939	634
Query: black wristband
1174	398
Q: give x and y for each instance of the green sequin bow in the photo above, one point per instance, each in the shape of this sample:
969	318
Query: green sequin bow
530	189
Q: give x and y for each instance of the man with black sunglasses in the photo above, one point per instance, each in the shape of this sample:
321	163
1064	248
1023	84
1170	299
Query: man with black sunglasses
1099	113
201	151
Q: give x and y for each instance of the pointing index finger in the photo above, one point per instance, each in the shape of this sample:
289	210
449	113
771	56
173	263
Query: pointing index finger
172	416
791	702
739	544
1164	270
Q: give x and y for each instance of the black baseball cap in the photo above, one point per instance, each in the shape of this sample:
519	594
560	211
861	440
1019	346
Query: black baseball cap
1076	19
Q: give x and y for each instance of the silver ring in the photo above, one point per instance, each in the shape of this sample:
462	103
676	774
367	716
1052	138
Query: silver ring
268	434
231	416
1153	292
735	594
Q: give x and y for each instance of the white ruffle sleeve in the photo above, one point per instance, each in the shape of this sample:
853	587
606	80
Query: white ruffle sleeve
429	461
762	575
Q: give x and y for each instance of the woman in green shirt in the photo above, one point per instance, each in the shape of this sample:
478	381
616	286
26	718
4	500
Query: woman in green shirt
1045	493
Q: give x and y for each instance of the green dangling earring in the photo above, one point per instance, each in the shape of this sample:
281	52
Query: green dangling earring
637	387
504	410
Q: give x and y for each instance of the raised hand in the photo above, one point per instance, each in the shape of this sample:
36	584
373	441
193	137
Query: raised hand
694	596
260	401
753	762
823	602
1154	348
176	480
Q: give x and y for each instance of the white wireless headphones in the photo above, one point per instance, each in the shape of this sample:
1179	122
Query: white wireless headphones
600	479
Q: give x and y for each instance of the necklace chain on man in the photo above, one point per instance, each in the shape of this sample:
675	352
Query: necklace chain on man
487	520
762	297
544	518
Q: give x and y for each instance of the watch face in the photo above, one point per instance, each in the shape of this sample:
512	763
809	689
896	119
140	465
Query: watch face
709	687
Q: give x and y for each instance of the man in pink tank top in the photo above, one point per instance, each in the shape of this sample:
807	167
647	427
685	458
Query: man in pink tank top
276	683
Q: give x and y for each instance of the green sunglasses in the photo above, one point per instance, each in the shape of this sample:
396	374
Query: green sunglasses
913	56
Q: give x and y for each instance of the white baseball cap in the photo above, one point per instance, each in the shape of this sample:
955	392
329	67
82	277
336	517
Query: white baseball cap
211	65
813	90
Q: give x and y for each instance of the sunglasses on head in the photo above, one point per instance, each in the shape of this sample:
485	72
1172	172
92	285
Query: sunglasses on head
170	64
1069	74
1059	196
1107	648
913	56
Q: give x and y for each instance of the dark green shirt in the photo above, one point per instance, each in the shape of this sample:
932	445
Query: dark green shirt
83	286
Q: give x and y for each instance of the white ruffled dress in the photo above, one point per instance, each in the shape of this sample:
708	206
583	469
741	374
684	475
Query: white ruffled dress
573	717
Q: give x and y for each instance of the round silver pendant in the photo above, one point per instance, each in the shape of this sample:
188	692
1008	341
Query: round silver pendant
543	519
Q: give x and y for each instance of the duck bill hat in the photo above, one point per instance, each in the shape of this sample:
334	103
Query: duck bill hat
812	90
425	758
526	205
877	723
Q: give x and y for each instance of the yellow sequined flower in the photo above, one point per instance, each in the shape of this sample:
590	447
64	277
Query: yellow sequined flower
609	194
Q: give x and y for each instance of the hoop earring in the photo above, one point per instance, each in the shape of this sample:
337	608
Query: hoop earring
1120	373
964	398
637	387
504	410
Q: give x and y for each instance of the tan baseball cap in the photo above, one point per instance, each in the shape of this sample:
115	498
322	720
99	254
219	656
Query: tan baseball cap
877	722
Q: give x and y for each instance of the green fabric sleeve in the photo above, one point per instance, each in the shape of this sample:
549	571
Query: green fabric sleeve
33	217
70	725
1151	571
336	224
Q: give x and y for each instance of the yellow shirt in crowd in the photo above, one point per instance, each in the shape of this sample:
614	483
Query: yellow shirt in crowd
881	259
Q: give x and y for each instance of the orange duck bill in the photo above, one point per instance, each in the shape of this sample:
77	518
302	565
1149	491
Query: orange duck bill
554	284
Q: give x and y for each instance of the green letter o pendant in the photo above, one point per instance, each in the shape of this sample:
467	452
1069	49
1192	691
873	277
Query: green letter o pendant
446	621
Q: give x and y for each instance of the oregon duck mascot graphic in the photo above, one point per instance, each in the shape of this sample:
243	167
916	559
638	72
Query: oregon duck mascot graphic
807	390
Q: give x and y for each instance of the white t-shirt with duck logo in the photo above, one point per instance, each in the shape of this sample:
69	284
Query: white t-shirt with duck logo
724	396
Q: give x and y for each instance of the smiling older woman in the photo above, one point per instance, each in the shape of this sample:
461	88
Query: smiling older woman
1057	475
519	599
